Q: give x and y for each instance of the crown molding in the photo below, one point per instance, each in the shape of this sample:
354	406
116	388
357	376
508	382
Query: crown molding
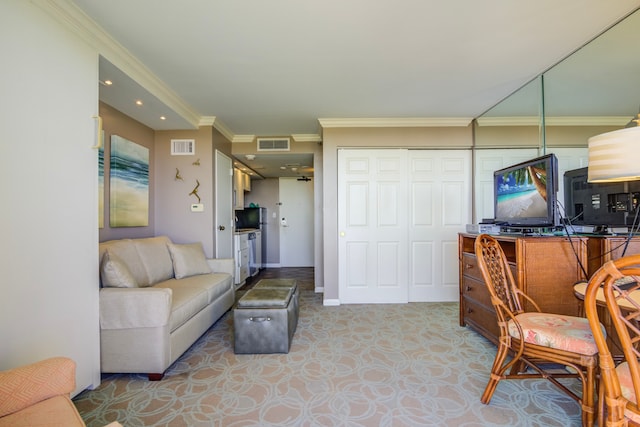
554	121
395	122
311	137
243	138
218	125
509	121
73	18
587	121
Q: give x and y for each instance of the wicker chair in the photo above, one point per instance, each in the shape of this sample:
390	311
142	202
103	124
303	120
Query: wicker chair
622	382
537	342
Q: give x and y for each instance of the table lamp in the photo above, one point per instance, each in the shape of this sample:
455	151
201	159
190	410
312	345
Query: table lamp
615	156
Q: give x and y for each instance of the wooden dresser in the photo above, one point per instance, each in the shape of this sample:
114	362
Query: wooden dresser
544	267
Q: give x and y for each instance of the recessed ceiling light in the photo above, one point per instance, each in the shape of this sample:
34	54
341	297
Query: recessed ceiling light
138	102
163	118
283	167
108	82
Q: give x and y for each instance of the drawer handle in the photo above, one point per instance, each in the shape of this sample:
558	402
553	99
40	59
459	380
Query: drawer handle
469	311
259	319
468	266
469	288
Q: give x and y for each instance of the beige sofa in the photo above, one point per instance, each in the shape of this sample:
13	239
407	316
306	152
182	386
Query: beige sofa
38	395
156	299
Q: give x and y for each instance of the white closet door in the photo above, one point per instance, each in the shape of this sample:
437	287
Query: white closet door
440	208
372	222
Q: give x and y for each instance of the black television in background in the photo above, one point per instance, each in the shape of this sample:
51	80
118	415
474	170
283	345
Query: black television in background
602	204
525	194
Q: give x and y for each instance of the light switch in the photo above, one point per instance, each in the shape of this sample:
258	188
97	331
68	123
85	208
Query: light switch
197	207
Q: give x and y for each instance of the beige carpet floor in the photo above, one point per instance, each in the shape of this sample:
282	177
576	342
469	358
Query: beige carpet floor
351	365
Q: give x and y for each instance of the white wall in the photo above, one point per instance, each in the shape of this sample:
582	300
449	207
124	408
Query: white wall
48	185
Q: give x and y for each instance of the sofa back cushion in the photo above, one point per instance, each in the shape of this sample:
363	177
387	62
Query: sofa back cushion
126	252
155	256
147	259
114	273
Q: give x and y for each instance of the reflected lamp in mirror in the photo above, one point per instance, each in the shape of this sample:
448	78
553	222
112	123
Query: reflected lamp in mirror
615	156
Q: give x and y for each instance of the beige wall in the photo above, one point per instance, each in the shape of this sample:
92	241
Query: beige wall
336	138
173	216
116	123
49	187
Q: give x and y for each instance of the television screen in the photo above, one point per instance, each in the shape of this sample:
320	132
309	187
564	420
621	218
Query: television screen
525	194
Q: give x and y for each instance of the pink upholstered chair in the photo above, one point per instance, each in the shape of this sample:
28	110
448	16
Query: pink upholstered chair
534	339
38	395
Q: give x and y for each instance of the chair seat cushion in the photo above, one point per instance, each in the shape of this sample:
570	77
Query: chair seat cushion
626	383
556	331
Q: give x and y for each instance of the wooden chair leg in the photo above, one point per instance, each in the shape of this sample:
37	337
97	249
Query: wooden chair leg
496	373
588	398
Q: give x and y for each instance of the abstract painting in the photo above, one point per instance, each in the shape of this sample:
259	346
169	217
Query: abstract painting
101	184
129	184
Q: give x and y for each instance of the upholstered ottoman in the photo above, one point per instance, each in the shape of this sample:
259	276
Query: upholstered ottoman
264	321
283	284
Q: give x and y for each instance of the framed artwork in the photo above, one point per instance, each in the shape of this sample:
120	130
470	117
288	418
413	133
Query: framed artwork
101	184
129	184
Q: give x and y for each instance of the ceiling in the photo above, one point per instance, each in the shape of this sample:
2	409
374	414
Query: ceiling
275	68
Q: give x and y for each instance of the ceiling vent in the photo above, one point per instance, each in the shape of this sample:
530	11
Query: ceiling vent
273	144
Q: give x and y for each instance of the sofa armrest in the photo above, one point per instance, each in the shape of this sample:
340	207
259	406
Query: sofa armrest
124	308
222	265
27	385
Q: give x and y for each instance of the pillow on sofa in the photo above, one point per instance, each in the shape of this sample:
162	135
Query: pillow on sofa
188	260
115	273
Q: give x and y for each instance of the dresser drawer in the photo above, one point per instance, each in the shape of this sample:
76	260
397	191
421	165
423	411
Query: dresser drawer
470	266
481	319
475	290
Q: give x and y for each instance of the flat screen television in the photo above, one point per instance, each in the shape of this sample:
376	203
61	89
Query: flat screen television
525	194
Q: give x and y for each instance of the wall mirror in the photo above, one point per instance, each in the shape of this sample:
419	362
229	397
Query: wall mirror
593	90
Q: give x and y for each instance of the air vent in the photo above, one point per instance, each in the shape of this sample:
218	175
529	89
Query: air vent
273	144
183	147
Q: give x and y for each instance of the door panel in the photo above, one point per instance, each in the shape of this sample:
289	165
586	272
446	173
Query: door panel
296	234
224	206
373	253
440	182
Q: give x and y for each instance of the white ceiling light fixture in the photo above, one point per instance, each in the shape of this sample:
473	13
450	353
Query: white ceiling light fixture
250	156
615	156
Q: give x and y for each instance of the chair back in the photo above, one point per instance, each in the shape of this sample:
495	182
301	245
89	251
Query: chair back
498	277
613	283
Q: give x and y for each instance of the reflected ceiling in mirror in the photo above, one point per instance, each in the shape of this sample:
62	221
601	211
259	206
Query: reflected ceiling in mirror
600	80
520	108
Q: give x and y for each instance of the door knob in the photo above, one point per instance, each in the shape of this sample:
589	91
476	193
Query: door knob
221	227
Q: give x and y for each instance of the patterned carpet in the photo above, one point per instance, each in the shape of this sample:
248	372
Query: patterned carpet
351	365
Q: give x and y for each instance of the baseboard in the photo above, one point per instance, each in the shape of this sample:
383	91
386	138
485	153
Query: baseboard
331	302
319	289
273	265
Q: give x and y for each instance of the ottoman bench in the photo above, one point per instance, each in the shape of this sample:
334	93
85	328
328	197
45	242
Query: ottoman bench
265	318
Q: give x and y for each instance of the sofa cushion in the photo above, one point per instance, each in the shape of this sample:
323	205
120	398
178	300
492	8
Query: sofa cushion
128	254
115	273
188	260
187	301
214	284
56	411
156	259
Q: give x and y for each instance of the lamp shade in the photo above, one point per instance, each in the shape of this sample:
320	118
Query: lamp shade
615	156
